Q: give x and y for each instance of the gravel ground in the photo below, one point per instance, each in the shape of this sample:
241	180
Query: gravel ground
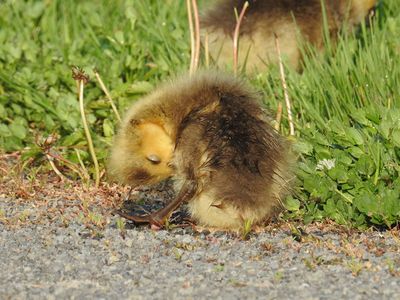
46	256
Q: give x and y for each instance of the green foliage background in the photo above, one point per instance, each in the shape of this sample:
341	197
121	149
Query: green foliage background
347	102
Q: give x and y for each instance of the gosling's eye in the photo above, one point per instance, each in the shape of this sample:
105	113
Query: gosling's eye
154	159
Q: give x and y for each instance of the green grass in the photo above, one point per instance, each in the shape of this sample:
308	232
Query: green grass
347	103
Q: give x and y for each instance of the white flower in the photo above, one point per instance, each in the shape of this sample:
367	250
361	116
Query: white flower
325	164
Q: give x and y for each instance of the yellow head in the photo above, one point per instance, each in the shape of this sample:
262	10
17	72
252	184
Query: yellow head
141	154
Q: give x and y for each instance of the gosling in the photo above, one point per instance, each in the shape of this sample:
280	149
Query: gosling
210	134
285	19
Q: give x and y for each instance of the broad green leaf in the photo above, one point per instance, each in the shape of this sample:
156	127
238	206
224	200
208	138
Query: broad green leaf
355	136
292	204
18	130
303	147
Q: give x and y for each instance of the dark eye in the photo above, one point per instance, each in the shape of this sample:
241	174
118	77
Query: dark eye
154	159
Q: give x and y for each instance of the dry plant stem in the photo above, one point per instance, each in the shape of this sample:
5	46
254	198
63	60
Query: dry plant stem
284	85
196	35
84	170
68	163
105	90
206	50
236	37
15	154
88	136
192	39
55	169
128	195
278	116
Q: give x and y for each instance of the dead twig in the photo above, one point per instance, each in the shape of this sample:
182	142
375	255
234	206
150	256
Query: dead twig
236	37
284	85
55	169
45	144
69	164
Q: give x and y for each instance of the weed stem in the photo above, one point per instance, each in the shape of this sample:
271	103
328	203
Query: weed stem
85	173
284	85
55	169
236	37
196	35
105	90
87	133
192	38
278	116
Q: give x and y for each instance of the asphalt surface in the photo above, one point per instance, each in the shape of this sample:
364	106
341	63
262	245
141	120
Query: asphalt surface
64	256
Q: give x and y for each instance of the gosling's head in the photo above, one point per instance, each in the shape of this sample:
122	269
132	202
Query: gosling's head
141	154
